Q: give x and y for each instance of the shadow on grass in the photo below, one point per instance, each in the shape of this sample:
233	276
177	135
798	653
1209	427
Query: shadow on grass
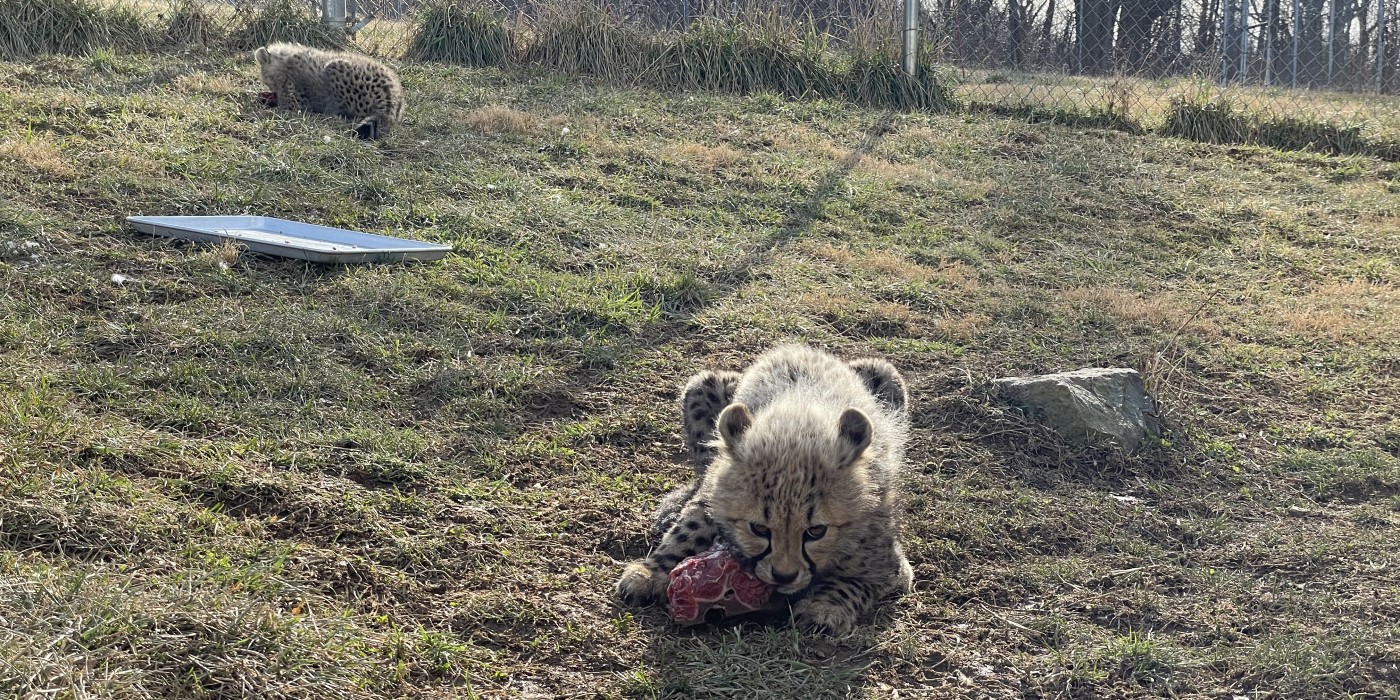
801	218
763	657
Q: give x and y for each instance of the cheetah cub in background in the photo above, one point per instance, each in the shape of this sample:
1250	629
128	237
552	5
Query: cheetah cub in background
336	83
797	463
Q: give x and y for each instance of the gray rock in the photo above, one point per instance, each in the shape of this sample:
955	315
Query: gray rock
1088	406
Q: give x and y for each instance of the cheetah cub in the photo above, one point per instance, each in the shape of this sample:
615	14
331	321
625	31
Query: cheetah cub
335	83
797	462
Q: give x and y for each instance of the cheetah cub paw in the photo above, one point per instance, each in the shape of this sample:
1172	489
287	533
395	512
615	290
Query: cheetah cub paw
640	586
824	618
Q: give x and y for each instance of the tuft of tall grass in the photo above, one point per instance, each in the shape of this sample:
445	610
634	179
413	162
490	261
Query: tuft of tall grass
1294	134
1220	121
187	23
1207	121
282	20
743	55
876	77
582	38
30	28
452	32
746	57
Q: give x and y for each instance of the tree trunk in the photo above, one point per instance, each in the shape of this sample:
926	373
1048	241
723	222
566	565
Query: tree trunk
1016	30
1135	35
1097	20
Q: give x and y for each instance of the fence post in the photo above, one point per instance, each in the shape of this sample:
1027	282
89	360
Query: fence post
911	37
333	13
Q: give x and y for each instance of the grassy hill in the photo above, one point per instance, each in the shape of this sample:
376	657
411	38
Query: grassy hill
230	476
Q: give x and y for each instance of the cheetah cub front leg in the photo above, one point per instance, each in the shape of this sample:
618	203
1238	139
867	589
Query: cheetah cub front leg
644	582
684	526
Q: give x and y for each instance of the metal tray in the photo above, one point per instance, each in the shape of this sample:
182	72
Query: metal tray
291	239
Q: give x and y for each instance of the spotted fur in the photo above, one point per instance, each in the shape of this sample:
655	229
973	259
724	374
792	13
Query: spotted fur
797	464
336	83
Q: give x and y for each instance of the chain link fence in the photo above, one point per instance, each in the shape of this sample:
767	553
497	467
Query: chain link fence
1142	63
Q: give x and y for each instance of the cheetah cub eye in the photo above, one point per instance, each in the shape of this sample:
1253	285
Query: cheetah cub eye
759	530
815	532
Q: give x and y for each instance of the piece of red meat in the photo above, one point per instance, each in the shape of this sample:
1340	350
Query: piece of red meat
268	98
714	581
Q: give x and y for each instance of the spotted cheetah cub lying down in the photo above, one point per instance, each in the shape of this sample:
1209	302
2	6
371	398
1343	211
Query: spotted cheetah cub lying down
336	83
797	465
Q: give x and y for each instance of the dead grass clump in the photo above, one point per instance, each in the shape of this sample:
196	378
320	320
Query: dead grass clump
201	82
37	155
840	255
1354	311
501	120
460	33
863	317
888	264
705	157
957	274
961	329
1156	311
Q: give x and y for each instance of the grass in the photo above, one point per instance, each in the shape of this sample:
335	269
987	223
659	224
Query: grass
226	475
1150	104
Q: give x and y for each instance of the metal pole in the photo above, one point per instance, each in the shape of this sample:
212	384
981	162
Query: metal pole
333	13
1331	36
1297	27
911	37
1380	46
1269	42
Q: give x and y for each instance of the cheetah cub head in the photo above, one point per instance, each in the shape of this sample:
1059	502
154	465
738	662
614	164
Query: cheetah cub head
790	488
271	59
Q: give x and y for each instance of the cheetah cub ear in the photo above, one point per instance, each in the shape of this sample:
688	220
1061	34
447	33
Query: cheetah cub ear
734	421
261	55
855	431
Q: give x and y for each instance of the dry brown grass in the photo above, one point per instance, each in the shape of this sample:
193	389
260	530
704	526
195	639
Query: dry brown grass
1159	311
203	82
701	156
37	155
1355	311
497	119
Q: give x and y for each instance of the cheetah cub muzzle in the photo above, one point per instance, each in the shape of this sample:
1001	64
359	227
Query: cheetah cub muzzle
797	466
